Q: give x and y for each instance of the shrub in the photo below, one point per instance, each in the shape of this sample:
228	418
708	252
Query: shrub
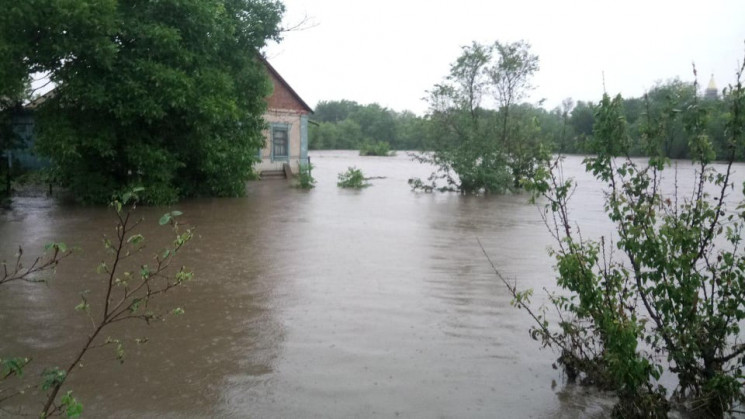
305	177
381	148
352	178
672	284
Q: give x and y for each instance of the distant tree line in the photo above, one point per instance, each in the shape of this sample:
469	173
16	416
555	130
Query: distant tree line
348	125
567	129
666	103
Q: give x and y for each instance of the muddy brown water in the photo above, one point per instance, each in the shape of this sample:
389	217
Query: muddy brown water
313	304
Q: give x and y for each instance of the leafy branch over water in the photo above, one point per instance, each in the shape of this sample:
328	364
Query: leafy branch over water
128	289
47	262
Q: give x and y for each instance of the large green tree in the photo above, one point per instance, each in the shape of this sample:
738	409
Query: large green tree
166	94
474	147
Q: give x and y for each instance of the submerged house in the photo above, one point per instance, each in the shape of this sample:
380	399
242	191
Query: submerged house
286	137
286	145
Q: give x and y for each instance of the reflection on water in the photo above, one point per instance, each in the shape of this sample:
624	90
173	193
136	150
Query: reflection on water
321	303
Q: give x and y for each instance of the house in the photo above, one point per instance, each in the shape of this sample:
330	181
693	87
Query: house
287	132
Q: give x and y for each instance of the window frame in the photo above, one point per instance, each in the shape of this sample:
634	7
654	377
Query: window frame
285	128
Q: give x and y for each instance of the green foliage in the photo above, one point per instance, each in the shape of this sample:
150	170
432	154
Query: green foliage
352	178
305	177
581	120
349	125
664	106
346	134
71	406
12	366
52	377
376	149
677	289
473	148
168	94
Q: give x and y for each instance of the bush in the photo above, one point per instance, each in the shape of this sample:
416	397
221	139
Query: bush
352	178
381	148
305	178
672	284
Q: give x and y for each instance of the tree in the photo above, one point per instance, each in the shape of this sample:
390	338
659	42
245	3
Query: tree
582	119
510	77
350	134
477	149
334	111
376	123
411	131
168	94
563	140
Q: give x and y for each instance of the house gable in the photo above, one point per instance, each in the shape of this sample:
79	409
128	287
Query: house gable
283	97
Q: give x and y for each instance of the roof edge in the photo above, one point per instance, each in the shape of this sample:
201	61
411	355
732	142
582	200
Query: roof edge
276	74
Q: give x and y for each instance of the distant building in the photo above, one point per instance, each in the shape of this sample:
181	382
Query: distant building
711	92
287	132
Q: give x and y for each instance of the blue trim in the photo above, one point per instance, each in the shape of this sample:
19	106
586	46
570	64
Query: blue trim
282	126
304	139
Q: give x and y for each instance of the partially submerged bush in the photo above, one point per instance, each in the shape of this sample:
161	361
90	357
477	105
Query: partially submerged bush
669	290
305	177
352	178
381	148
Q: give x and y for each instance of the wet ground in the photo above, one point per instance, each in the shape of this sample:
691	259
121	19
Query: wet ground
323	303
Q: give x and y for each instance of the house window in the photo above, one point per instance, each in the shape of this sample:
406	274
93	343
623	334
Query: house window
280	144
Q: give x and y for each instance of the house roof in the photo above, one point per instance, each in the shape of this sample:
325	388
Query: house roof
275	74
34	103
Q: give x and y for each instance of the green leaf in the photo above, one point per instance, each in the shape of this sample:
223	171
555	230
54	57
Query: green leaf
136	239
62	247
73	408
165	219
168	217
12	366
102	268
120	352
52	377
83	306
135	304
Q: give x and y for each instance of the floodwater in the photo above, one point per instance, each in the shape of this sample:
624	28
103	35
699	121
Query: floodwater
327	303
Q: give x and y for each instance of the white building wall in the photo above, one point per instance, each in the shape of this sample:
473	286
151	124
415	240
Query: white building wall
292	119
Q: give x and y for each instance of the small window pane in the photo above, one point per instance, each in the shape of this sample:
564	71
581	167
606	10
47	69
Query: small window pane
279	142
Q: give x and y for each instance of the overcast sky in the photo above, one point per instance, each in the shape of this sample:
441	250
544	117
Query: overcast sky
391	51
